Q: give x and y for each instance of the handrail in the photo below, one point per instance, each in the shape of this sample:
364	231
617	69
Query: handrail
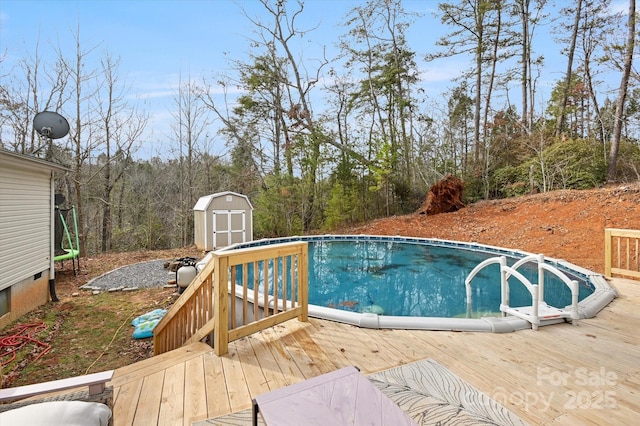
622	252
539	258
467	282
252	289
536	290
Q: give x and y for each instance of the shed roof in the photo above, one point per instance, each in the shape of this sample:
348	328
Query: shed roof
204	201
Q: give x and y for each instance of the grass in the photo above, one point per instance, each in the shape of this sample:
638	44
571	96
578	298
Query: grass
87	334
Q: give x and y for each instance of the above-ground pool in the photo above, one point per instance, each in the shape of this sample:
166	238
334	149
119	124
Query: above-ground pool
416	283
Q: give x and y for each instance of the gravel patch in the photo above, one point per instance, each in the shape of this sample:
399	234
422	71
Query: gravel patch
139	275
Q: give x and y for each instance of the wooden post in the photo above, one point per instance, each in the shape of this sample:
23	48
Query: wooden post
303	283
607	253
221	305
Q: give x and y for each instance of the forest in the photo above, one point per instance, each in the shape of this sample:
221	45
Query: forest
328	143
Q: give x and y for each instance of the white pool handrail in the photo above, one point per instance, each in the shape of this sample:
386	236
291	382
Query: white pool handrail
531	313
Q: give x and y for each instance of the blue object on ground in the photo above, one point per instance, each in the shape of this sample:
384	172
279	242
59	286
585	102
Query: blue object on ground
144	324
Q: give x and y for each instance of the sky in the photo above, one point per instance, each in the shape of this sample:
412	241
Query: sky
160	42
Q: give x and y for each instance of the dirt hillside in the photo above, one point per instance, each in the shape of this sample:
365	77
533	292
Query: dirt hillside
565	225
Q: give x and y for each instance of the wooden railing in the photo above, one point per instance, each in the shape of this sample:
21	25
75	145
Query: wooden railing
622	252
239	292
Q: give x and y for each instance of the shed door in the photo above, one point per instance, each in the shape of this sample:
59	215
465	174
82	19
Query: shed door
228	227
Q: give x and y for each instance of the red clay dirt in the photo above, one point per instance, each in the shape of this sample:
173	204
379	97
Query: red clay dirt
565	225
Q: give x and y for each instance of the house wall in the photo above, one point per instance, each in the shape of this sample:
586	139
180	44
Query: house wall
25	221
25	296
26	233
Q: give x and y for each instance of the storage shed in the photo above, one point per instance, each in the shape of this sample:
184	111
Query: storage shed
222	219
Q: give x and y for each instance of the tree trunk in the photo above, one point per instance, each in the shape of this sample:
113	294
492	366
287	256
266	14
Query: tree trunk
565	89
525	63
478	94
622	94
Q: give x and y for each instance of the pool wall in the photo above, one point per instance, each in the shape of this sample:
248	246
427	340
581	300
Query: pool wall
602	294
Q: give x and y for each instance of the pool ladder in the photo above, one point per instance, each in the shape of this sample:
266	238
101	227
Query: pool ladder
538	311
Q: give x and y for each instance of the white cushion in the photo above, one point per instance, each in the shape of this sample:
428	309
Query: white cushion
54	413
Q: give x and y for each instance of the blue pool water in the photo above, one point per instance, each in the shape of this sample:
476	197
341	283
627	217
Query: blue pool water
411	278
418	280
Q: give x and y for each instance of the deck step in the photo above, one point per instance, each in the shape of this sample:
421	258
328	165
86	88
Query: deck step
159	363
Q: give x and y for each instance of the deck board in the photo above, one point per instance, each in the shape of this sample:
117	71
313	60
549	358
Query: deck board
253	373
195	400
270	368
552	364
125	401
305	360
148	408
173	392
215	388
239	395
290	371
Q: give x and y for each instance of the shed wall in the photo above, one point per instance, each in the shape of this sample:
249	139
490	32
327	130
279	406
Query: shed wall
228	202
198	229
215	206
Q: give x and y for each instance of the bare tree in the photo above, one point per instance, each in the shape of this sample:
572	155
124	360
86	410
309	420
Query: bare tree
281	32
191	123
31	87
530	14
598	22
577	15
121	127
278	83
83	142
622	93
473	24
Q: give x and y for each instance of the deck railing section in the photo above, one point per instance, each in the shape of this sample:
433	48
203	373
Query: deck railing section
622	252
239	292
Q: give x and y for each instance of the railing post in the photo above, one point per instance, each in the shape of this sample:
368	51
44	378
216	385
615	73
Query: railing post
221	304
574	302
541	278
303	284
535	306
469	306
504	283
607	253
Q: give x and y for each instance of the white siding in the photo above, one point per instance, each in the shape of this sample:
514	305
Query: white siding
25	221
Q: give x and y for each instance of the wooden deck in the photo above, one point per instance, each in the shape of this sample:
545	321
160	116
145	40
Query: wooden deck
561	374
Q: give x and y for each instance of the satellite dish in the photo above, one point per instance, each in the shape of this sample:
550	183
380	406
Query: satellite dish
51	125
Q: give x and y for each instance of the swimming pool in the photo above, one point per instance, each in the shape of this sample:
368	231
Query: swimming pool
416	283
